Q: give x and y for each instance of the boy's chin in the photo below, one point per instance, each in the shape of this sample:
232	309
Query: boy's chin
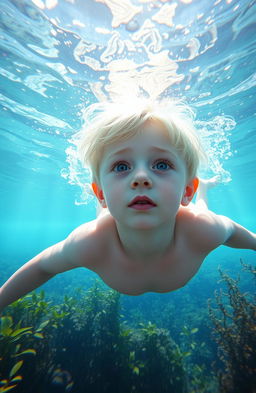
143	223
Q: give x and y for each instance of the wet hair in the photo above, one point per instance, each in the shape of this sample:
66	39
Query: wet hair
107	123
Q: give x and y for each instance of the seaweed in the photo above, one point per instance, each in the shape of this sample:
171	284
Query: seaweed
10	350
155	363
234	322
83	345
26	333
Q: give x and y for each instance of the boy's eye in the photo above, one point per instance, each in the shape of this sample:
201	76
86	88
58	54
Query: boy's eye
120	167
162	165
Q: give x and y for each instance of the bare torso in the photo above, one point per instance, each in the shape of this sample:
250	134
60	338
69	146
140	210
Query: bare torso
127	276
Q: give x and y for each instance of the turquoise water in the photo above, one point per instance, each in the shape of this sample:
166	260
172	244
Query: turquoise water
59	56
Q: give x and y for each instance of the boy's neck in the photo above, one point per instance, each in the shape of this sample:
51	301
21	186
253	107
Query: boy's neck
146	245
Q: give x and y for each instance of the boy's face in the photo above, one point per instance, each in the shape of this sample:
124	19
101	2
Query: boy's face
146	165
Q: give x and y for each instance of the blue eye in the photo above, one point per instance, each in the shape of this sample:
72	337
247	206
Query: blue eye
162	165
120	167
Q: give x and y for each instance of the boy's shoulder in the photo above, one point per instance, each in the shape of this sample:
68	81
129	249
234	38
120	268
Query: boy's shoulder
204	229
91	240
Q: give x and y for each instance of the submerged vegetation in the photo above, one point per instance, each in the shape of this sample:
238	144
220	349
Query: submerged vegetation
86	345
82	346
234	323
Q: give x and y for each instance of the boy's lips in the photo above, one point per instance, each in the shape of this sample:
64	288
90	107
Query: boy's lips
142	202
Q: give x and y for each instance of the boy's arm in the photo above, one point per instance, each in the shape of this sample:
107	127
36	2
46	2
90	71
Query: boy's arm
210	230
53	260
237	235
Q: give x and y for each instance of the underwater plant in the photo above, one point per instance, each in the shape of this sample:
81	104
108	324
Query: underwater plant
112	356
88	345
234	322
11	382
11	339
83	345
155	360
26	329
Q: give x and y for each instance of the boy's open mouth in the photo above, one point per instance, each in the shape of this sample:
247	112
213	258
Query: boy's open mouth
142	201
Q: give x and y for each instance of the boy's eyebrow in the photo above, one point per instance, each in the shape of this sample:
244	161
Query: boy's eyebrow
161	150
128	150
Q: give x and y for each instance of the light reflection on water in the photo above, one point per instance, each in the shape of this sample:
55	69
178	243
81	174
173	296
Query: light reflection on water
58	57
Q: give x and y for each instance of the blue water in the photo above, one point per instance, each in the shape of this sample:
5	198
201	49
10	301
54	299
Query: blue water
45	82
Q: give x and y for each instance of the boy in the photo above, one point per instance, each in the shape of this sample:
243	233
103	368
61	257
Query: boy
144	159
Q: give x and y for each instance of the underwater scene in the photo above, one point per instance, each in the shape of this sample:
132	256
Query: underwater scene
74	333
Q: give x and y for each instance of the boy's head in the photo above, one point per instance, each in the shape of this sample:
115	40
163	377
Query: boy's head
108	123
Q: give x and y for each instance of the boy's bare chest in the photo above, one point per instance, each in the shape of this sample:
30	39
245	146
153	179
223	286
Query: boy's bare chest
127	276
164	275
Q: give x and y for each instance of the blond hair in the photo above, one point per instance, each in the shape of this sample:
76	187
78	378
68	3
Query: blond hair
107	123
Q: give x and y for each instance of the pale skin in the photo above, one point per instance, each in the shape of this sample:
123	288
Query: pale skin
157	249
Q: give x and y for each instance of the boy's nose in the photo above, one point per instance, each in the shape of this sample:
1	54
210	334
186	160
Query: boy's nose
141	180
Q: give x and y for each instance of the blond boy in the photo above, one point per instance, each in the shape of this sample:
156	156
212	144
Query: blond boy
144	159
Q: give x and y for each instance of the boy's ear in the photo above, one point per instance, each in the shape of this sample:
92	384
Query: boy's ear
190	190
99	194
